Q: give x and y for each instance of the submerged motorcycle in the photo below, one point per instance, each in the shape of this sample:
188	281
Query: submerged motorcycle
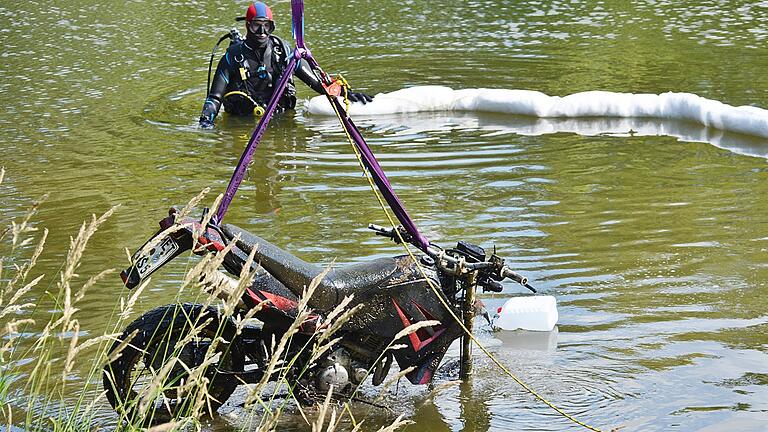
153	362
392	293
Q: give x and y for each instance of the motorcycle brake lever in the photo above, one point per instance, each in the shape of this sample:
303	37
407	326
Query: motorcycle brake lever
391	233
380	230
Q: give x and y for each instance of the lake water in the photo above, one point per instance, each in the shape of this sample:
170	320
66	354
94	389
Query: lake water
656	248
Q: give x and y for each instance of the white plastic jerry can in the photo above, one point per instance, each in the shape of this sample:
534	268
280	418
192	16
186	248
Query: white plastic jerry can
536	313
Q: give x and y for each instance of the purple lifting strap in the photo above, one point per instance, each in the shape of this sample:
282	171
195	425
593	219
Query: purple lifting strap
380	178
297	21
245	159
369	160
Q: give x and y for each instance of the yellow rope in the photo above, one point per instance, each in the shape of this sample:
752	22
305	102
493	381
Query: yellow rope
345	90
434	288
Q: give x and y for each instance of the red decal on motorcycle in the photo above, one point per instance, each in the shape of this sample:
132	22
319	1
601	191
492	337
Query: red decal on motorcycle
426	370
423	310
428	334
427	316
425	377
212	246
418	341
406	322
279	302
257	298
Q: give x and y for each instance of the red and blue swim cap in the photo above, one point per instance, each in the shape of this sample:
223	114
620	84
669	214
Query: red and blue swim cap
258	10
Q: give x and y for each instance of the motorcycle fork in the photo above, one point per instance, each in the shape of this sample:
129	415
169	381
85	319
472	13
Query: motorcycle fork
468	315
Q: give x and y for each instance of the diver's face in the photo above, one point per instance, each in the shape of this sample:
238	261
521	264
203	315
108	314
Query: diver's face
261	28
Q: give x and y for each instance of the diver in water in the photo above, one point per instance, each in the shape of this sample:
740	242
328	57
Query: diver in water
248	73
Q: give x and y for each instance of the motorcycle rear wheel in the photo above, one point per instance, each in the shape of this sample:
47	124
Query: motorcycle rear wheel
144	388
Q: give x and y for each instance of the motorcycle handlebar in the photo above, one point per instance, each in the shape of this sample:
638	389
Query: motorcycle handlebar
439	255
517	277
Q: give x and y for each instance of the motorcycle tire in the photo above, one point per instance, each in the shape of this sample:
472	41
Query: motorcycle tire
131	380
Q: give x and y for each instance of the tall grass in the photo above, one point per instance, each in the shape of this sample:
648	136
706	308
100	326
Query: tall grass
43	395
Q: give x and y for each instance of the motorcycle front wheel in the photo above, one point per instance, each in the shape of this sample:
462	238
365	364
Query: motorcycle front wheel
173	361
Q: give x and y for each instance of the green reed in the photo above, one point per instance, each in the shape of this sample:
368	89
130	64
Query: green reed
42	395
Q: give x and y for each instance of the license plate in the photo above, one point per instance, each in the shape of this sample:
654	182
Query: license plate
159	255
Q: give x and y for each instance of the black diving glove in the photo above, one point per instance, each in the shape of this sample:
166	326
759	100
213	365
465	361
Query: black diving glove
359	97
210	109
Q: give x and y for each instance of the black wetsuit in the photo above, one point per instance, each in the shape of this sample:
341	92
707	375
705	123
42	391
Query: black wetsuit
262	69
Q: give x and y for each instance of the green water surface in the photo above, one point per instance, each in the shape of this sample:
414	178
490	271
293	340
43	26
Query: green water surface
655	248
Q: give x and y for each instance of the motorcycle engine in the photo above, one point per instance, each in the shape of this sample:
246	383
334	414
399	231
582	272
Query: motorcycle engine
337	370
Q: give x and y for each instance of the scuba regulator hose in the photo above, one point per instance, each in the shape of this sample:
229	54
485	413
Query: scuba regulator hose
234	36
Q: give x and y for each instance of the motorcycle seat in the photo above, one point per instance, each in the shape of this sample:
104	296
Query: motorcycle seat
295	273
